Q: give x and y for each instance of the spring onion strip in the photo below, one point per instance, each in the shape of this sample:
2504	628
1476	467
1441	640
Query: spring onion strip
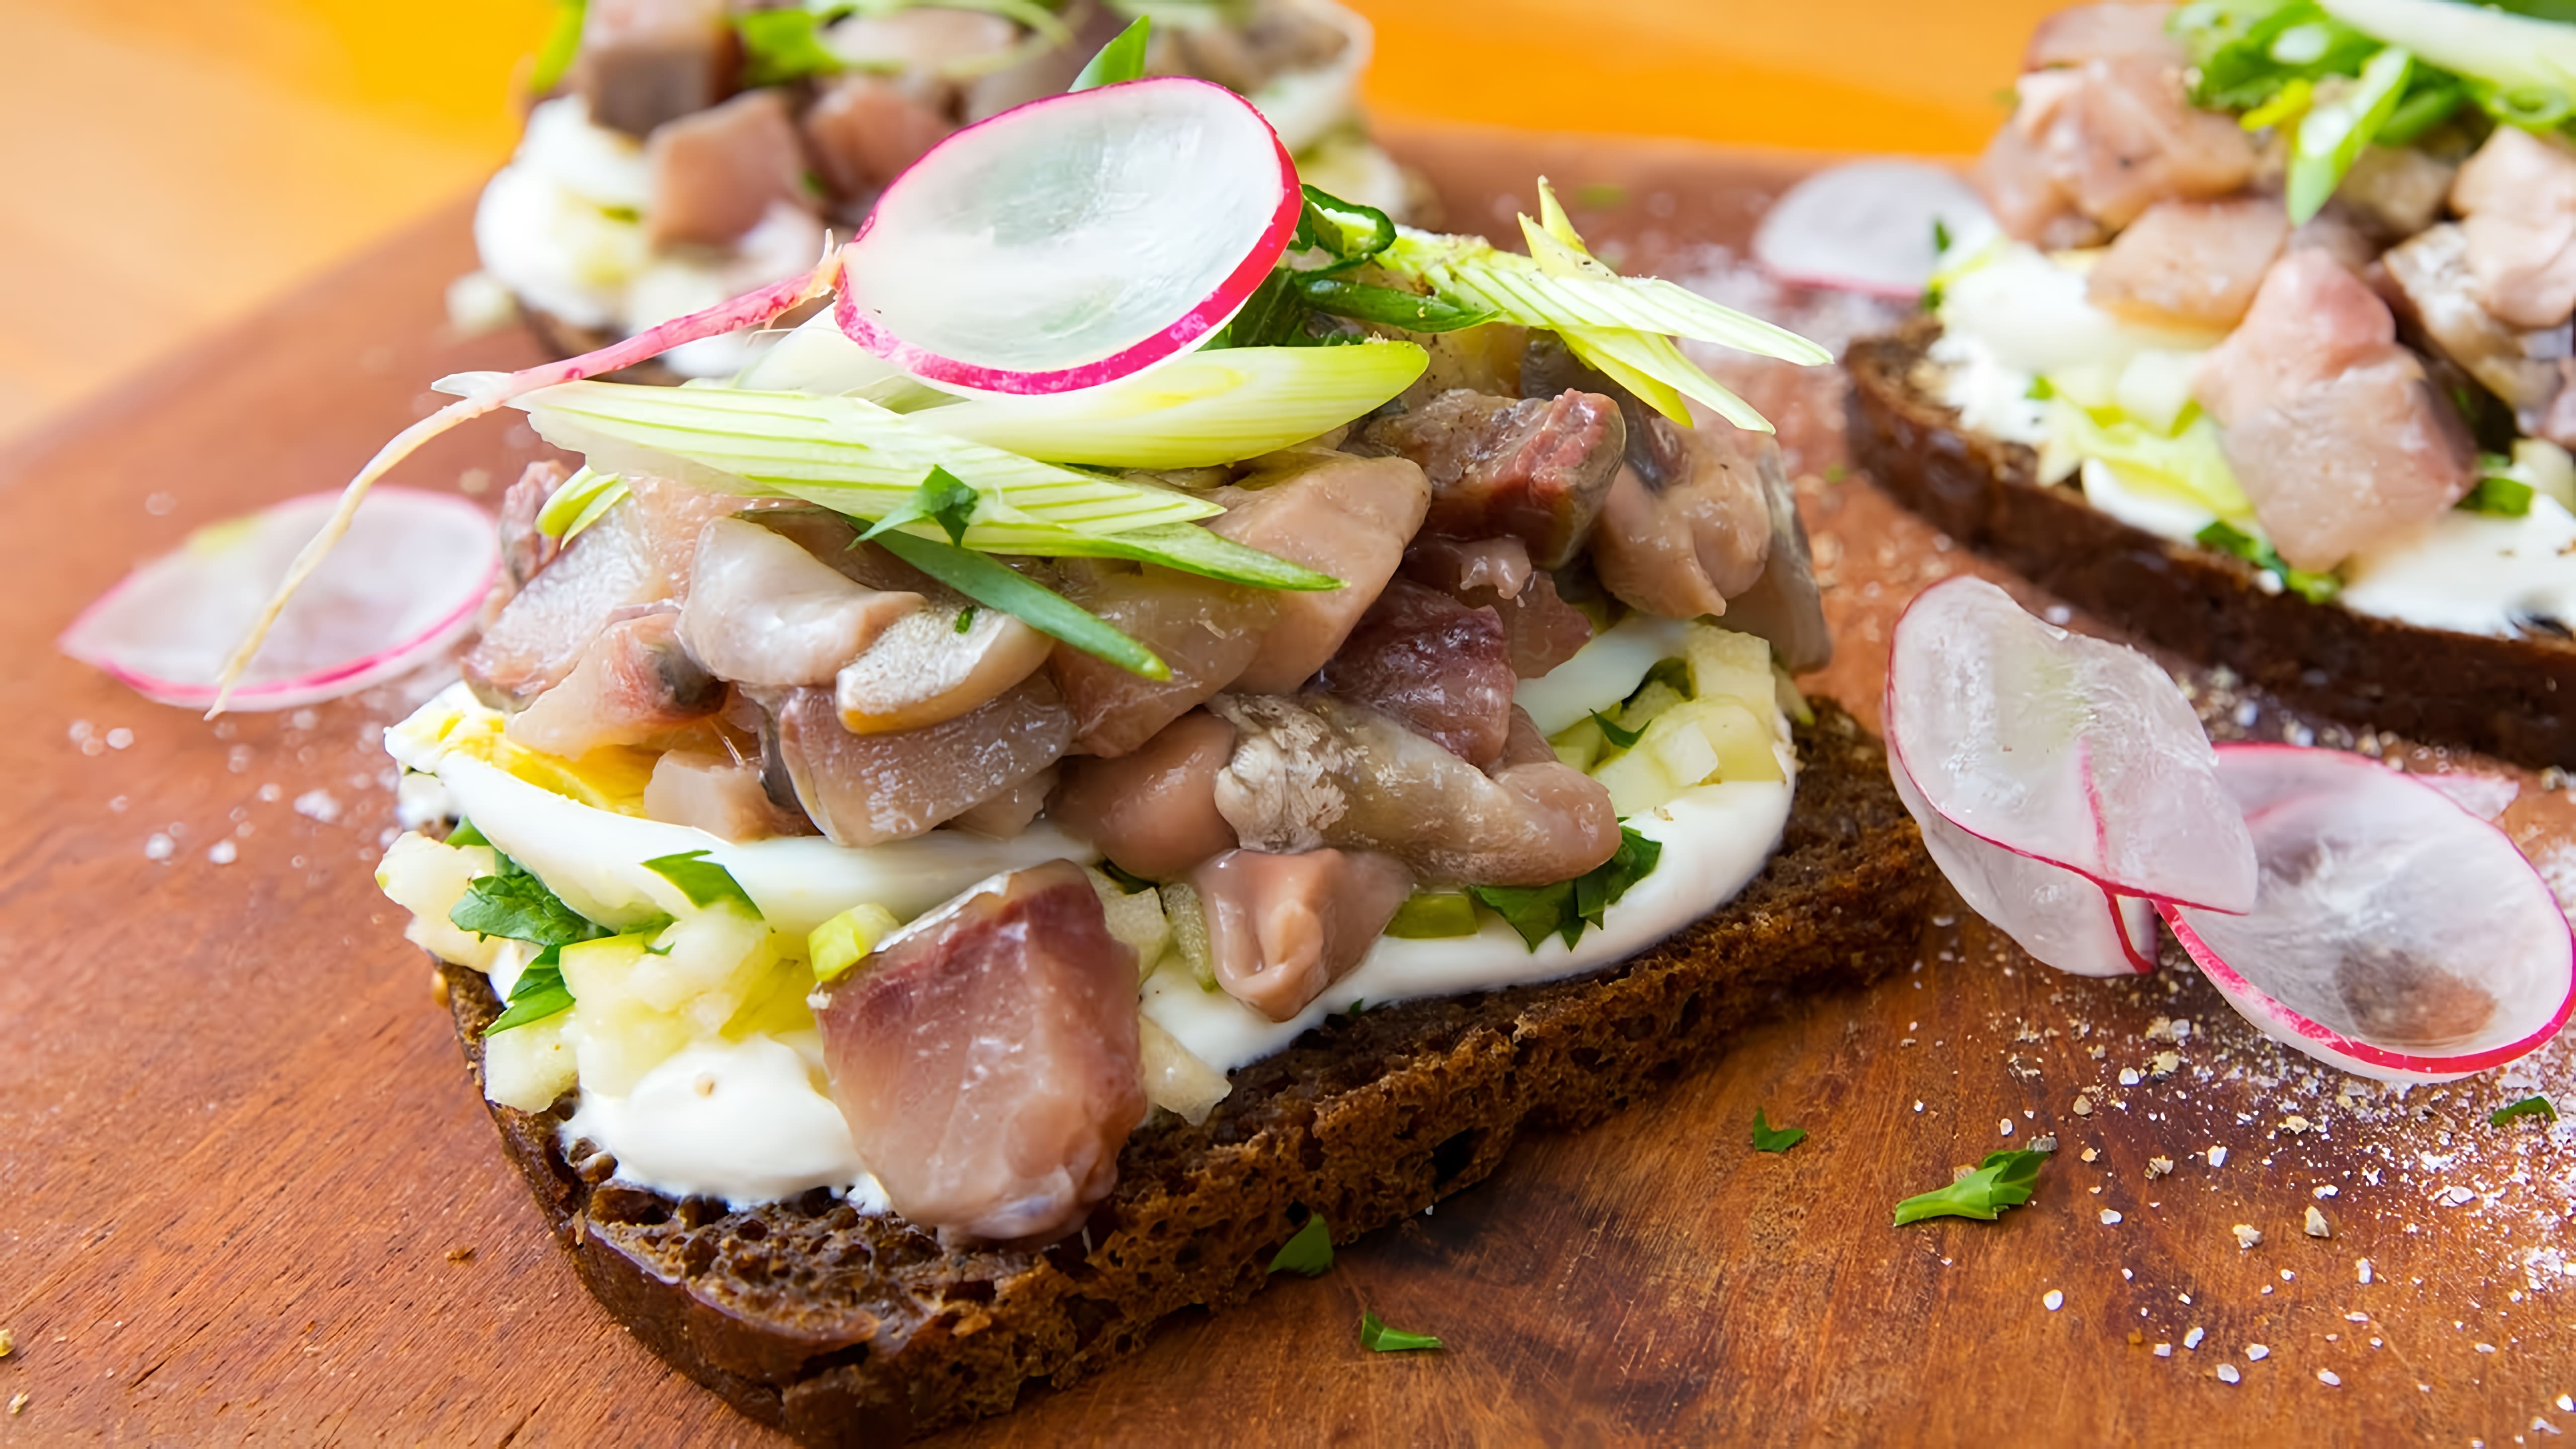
866	459
996	587
1203	409
2330	137
496	391
578	501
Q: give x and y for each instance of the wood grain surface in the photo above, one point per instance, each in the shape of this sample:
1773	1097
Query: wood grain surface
250	1193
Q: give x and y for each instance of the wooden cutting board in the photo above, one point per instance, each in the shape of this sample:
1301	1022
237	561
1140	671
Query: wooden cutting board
249	1190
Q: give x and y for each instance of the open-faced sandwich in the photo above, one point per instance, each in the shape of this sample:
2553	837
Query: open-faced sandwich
2270	359
1174	714
679	152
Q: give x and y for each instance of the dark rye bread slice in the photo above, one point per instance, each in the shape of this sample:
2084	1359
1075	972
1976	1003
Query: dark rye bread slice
2515	698
841	1328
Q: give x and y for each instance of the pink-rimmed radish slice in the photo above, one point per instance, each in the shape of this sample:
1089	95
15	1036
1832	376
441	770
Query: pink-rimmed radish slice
1869	227
1074	240
2396	935
407	582
490	392
2029	753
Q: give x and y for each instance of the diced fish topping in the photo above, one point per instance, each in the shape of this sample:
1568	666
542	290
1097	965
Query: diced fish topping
1336	514
1207	632
1152	812
869	789
1282	928
2192	262
1534	469
633	684
762	611
1434	664
717	172
644	62
2517	198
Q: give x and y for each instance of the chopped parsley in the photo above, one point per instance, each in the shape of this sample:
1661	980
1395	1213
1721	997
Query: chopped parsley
1767	1138
2527	1107
1565	908
1619	738
1309	1252
703	881
1940	236
1376	1337
943	498
513	903
2004	1179
966	618
779	46
2227	538
465	834
537	994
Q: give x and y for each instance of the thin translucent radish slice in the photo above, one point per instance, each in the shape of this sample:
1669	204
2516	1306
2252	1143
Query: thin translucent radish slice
1074	240
2059	917
407	582
2069	750
2396	935
1868	227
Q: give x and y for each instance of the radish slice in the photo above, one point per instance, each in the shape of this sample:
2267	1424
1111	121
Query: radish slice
413	572
2054	776
1073	240
2396	935
1868	227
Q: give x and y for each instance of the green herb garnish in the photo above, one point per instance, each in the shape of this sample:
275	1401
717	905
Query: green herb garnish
995	586
2040	390
2494	494
943	498
511	902
1309	1252
1619	738
1565	908
2527	1107
1376	1337
779	46
1433	916
1767	1138
966	618
537	994
563	42
703	881
2004	1179
465	834
1940	236
1122	59
2227	538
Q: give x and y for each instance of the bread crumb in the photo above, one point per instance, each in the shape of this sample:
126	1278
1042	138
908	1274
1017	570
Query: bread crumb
8	1343
2248	1235
2083	1106
2165	1064
2090	1154
2317	1223
17	1404
2159	1166
460	1255
2294	1123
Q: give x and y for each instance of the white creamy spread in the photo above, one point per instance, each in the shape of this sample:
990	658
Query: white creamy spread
2013	315
752	1120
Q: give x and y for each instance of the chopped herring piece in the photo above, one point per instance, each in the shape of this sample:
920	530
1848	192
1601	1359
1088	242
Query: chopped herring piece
762	611
717	794
1207	632
524	547
640	551
1783	607
1318	771
2332	429
1282	928
2429	274
2395	191
644	62
1336	514
1687	525
633	684
936	662
1500	566
717	172
1009	814
869	789
986	1058
2092	146
929	39
1152	812
867	128
2105	32
1434	664
1535	469
2192	262
2517	196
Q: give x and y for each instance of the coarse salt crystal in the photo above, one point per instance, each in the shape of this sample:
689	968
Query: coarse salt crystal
2486	1348
2329	1190
2193	1338
223	852
2361	1270
2287	1275
119	738
2164	1350
2218	1157
318	805
2329	1378
2053	1300
2248	1235
2159	1166
2005	1129
2128	1076
2316	1225
2257	1352
2110	1216
2567	1403
2227	1373
158	847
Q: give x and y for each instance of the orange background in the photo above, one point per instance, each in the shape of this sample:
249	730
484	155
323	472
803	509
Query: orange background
172	163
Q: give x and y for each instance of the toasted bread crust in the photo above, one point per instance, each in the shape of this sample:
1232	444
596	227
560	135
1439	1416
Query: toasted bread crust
842	1328
2515	698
